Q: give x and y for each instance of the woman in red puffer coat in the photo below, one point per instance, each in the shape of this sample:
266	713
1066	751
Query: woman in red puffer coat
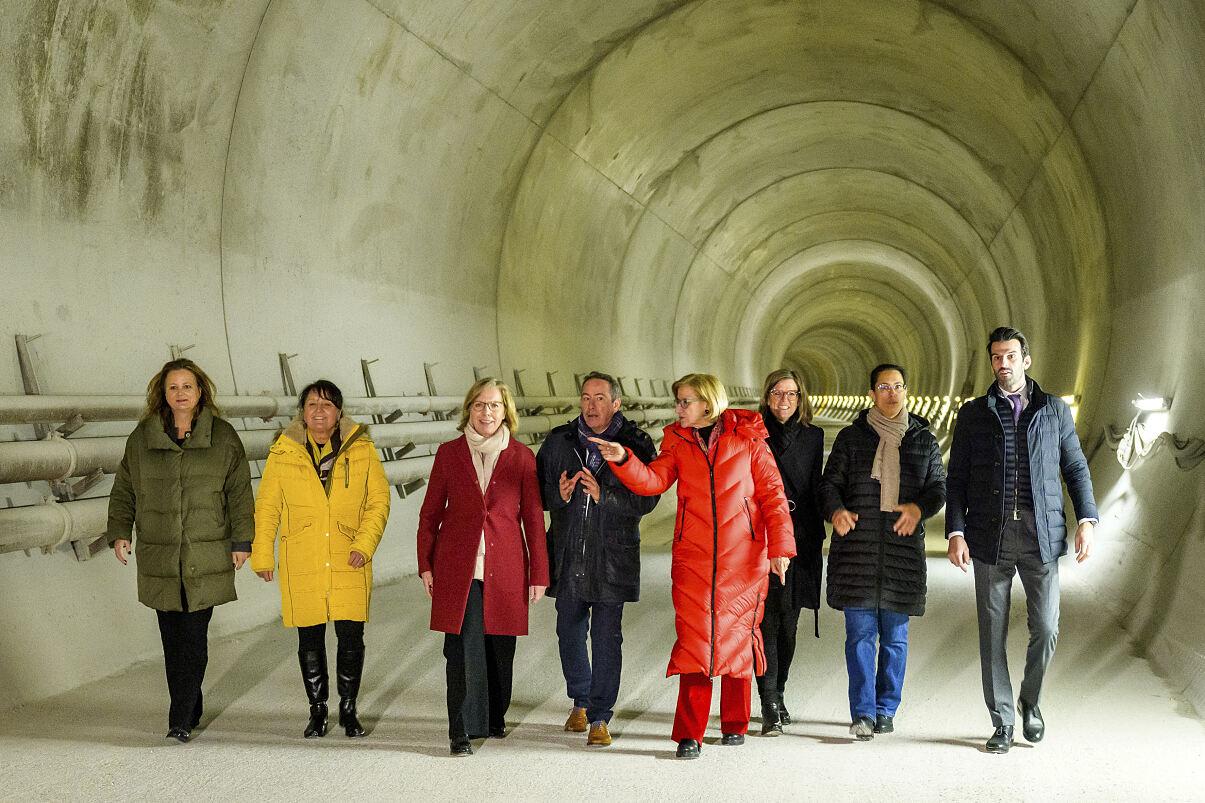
732	530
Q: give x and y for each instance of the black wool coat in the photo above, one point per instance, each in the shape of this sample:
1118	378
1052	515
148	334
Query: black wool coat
799	452
604	535
871	566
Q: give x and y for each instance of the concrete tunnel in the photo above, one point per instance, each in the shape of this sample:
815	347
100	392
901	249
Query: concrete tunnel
649	187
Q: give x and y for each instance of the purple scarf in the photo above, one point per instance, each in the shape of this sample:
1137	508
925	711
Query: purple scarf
594	458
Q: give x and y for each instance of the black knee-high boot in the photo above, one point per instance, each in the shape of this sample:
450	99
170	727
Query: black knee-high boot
313	674
349	664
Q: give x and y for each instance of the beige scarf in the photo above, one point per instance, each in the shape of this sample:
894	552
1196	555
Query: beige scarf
484	453
886	467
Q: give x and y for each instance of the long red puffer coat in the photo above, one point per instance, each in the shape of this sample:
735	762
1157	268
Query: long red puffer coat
732	518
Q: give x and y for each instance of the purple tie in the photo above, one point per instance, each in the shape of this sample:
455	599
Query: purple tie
1016	400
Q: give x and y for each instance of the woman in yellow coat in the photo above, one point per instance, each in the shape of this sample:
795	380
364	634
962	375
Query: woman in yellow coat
324	489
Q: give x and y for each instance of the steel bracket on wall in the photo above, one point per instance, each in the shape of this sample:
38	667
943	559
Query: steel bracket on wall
63	490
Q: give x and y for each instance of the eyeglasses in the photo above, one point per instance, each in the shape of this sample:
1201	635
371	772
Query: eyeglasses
789	395
897	387
493	407
685	402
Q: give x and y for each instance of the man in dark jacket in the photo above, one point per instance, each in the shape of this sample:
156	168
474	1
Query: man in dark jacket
883	479
1005	514
593	549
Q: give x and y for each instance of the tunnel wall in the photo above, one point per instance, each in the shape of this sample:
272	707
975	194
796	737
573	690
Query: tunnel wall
471	186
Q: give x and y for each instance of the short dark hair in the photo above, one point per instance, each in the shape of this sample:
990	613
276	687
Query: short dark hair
616	390
887	366
325	389
1002	334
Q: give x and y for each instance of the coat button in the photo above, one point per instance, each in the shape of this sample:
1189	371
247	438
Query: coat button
328	564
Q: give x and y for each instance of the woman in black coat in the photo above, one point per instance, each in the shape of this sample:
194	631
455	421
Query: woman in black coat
798	448
883	479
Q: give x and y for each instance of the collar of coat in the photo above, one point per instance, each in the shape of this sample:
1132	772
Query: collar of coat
1037	397
293	435
201	437
743	424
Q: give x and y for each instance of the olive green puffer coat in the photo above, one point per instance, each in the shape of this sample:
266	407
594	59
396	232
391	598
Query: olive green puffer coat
189	503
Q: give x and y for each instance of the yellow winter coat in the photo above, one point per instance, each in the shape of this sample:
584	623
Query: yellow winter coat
320	526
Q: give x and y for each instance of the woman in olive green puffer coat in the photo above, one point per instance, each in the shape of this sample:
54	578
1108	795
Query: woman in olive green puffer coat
184	483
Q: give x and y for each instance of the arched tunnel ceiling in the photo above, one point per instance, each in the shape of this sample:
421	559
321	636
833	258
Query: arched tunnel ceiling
726	149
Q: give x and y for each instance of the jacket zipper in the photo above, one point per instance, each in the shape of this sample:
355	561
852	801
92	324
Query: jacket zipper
715	548
749	518
346	472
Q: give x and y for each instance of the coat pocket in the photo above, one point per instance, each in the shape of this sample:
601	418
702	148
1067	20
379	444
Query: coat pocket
749	518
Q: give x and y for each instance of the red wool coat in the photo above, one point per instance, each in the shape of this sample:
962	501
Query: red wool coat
732	518
450	523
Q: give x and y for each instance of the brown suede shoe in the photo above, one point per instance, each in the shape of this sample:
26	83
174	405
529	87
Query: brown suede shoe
599	735
577	721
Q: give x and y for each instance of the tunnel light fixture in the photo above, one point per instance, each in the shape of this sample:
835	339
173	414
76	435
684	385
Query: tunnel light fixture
1156	404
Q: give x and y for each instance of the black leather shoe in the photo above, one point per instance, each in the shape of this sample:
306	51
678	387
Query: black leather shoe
1033	727
688	748
862	729
461	746
770	726
317	724
784	716
733	739
884	724
497	731
348	719
1001	740
181	735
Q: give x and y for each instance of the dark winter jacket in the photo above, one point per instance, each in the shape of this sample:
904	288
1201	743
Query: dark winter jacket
189	503
602	538
799	453
976	486
871	566
732	518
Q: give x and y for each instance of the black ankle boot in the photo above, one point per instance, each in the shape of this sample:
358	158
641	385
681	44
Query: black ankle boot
313	675
349	664
770	724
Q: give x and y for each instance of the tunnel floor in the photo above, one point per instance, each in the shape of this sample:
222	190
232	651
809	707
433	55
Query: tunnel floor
1116	731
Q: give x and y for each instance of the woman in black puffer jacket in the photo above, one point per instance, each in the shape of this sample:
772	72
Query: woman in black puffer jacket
883	478
798	447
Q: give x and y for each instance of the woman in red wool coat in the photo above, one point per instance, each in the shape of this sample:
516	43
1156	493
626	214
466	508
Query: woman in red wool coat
482	558
732	530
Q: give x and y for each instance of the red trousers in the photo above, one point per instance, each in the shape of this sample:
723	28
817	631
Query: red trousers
694	705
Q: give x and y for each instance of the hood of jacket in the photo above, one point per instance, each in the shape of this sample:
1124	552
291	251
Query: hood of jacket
350	431
744	424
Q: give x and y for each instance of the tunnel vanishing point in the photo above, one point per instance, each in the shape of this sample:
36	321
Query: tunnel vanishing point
647	187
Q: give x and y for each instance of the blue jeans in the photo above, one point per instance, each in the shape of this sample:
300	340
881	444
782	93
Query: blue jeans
874	692
594	688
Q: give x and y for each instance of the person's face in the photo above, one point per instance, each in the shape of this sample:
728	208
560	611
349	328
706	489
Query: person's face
597	405
1008	365
487	412
320	415
690	408
784	399
889	394
182	391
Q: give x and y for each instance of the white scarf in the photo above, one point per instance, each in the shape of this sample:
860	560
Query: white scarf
485	451
484	454
886	466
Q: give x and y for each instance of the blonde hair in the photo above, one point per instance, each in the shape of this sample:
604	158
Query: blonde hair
156	393
511	417
804	412
709	389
